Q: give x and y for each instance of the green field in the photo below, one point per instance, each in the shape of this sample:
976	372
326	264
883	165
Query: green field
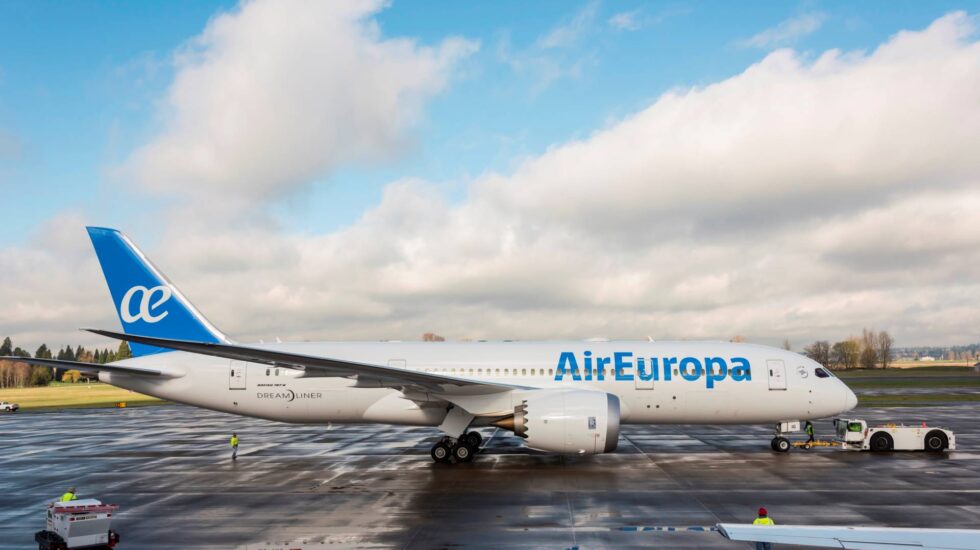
59	396
931	377
911	371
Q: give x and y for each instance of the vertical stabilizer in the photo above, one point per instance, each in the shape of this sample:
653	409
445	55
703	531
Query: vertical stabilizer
146	301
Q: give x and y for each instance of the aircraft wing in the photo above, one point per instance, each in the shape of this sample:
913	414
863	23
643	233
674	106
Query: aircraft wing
94	368
855	538
367	374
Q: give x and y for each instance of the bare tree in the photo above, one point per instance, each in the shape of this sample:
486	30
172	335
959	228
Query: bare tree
786	345
846	354
738	339
883	344
869	354
819	351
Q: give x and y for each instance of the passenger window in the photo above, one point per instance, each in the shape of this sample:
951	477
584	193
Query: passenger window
821	373
267	372
532	372
523	372
551	372
277	372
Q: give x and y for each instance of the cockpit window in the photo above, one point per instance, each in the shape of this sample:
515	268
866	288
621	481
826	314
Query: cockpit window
821	373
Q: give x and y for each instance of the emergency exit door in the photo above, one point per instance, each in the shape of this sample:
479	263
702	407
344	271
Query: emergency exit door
777	374
236	375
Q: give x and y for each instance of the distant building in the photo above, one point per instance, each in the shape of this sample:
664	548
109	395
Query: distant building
927	358
430	337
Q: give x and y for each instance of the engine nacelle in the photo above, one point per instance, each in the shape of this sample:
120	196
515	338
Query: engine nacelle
567	421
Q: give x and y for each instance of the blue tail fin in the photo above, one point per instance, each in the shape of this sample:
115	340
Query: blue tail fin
147	303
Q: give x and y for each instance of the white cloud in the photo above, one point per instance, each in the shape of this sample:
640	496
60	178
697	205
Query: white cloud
276	93
571	30
787	32
555	55
800	199
625	20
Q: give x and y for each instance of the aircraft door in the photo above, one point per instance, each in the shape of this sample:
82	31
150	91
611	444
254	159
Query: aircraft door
777	374
236	375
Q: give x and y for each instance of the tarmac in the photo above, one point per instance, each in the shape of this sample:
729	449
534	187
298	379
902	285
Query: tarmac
368	486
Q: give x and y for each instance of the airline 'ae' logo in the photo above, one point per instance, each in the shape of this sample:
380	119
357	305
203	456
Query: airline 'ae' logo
150	299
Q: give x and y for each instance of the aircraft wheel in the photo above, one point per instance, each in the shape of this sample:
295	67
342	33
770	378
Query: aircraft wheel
441	452
881	442
473	440
462	452
935	441
781	444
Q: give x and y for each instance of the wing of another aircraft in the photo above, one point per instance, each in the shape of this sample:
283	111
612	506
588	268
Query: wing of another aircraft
94	368
365	373
855	538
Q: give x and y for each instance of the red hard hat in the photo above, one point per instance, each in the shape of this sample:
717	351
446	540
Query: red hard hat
762	512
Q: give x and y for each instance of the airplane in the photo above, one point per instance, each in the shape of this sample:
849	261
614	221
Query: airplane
568	397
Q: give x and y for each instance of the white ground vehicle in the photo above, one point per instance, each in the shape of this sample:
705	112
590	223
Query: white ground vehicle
78	524
7	406
853	433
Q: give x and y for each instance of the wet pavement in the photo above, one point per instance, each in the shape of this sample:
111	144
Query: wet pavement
169	469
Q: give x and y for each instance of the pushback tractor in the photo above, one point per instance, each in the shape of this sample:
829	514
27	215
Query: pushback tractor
856	434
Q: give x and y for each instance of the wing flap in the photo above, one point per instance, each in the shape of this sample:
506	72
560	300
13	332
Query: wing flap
855	538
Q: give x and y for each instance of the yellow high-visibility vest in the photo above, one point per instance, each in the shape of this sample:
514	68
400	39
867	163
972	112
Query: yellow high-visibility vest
234	441
68	496
763	521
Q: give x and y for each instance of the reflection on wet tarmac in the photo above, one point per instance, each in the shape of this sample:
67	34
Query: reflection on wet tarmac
376	487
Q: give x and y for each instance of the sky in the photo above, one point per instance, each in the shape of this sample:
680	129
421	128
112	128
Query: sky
376	170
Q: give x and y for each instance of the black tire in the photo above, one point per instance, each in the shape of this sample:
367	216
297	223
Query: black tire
881	442
772	444
935	441
781	445
473	440
441	452
463	453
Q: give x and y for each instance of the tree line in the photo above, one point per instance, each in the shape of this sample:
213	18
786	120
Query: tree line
14	374
870	350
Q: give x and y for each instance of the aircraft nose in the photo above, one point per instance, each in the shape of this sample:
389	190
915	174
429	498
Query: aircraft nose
850	400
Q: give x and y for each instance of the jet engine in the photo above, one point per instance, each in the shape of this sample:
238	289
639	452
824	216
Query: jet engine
566	421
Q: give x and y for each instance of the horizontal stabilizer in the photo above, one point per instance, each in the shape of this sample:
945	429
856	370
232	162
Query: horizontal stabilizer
92	368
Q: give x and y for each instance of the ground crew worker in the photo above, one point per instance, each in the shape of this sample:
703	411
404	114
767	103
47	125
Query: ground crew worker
69	496
763	519
234	446
808	428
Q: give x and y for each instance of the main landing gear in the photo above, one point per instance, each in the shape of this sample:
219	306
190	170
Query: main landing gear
448	450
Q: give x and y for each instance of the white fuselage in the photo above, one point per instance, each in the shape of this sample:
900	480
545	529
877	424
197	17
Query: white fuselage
778	385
